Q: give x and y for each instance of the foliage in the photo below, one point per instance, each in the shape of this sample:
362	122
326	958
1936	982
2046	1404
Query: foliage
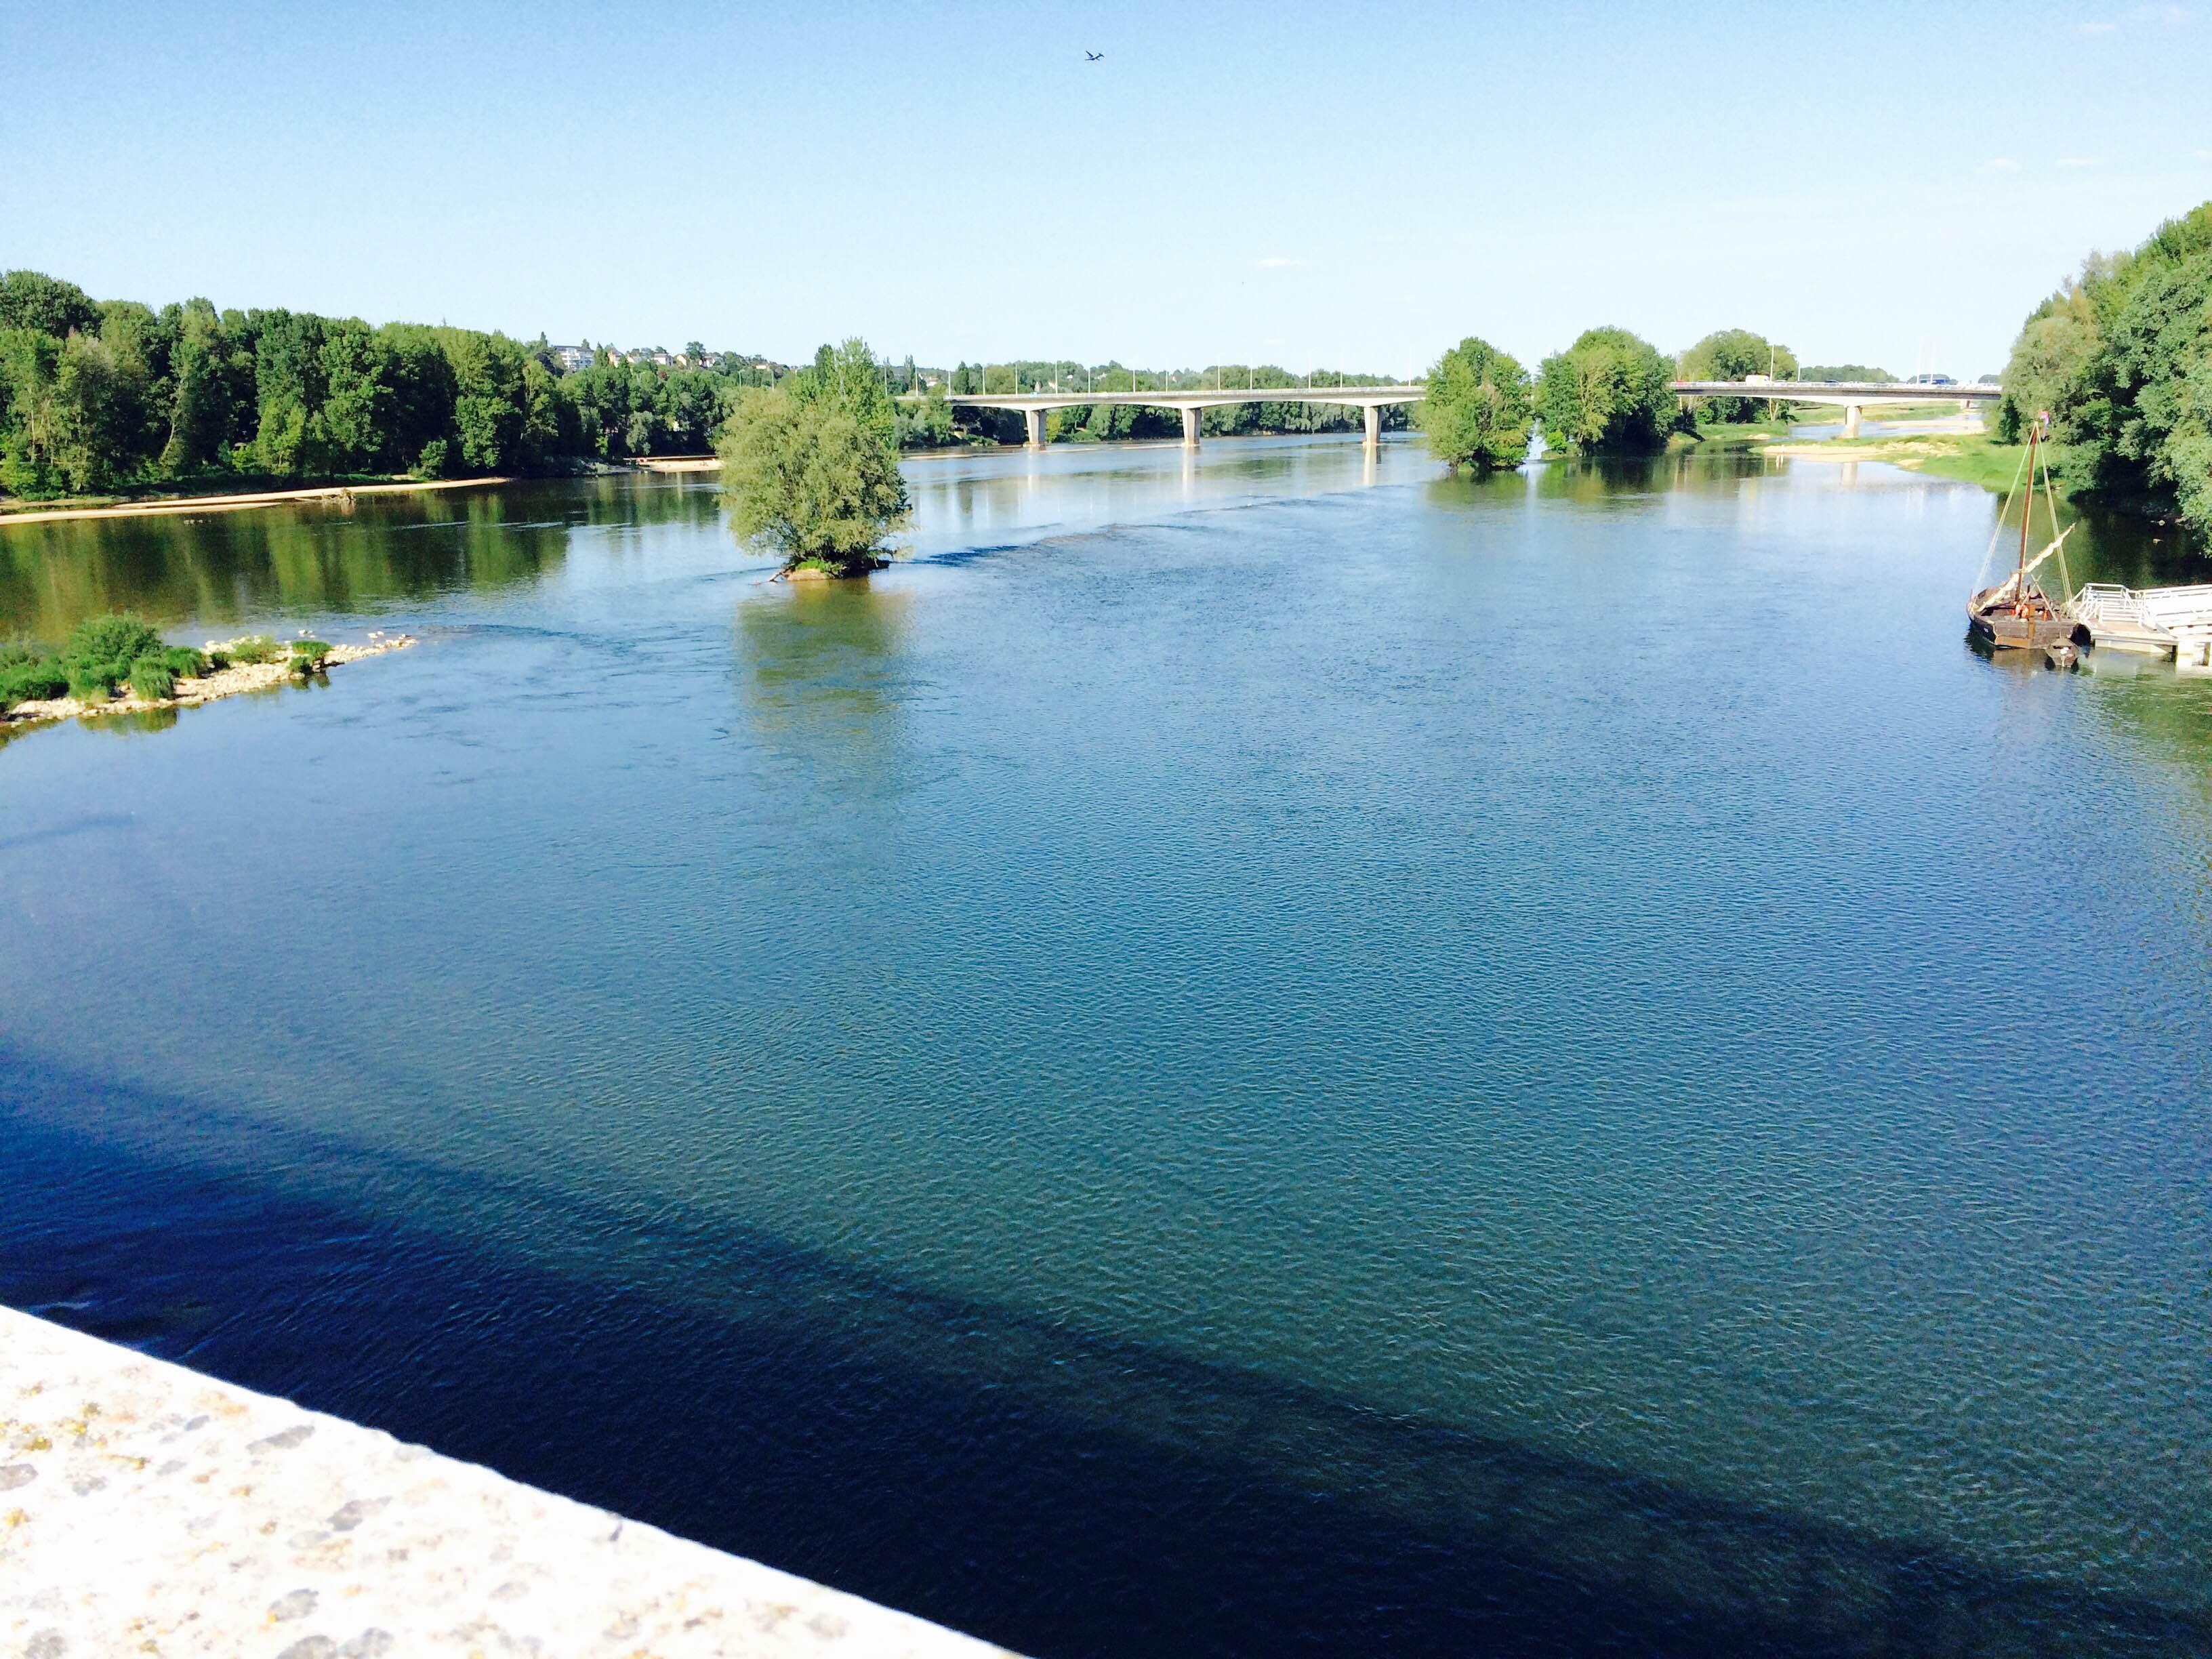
309	655
29	672
1479	408
98	397
1858	372
30	300
2121	359
927	424
1610	392
252	648
1730	353
101	650
811	469
151	679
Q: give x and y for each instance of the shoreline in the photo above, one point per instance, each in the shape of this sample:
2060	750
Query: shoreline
191	692
238	503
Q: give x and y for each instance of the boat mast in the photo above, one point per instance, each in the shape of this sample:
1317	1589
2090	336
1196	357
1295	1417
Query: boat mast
2026	512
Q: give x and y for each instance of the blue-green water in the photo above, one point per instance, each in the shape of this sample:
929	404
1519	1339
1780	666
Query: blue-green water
1245	1055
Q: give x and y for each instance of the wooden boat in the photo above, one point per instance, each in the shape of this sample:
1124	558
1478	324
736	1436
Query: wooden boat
2017	615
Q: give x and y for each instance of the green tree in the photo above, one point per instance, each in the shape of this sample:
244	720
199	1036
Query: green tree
200	410
487	407
1859	372
357	425
289	388
30	364
99	423
849	376
1609	392
927	423
811	469
2121	359
1731	353
32	300
423	393
1478	410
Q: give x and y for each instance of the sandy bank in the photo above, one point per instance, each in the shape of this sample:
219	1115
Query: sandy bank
1905	451
342	493
224	683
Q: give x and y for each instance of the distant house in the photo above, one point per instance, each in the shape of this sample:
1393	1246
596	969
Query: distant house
572	358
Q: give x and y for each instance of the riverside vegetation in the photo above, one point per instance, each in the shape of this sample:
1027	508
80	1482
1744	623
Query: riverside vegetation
101	395
122	657
2120	356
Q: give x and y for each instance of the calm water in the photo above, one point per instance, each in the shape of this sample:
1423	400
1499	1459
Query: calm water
1245	1056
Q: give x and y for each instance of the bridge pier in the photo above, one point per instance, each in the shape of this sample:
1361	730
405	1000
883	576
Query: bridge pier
1190	428
1034	418
1851	420
1373	440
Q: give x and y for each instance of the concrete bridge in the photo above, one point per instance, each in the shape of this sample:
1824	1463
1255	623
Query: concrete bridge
1852	396
1035	405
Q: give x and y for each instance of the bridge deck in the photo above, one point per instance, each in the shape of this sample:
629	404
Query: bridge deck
1841	392
1360	396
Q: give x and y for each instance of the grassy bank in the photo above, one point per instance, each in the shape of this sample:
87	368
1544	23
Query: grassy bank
1969	457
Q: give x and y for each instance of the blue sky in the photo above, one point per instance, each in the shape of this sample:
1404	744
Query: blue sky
1297	182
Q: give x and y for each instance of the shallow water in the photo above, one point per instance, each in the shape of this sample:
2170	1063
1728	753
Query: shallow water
1254	1054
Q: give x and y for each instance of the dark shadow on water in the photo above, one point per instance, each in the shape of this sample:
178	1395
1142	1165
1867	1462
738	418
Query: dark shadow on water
1066	1492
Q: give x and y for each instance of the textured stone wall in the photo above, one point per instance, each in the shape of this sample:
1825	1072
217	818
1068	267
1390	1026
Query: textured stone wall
147	1509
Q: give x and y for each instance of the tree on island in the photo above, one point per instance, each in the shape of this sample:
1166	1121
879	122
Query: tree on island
1730	353
1609	392
1478	410
809	468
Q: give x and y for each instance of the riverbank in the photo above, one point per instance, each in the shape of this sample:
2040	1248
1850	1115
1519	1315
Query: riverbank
344	494
191	691
1967	457
144	1507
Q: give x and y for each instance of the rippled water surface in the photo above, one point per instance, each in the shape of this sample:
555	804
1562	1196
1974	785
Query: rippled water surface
1246	1054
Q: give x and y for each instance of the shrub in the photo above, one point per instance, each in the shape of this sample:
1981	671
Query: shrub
217	661
253	648
150	679
32	681
120	641
182	661
307	655
90	683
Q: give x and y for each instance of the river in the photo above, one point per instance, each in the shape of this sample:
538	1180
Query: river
1249	1053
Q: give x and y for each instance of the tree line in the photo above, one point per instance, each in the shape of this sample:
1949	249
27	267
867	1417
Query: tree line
97	395
1608	393
2120	359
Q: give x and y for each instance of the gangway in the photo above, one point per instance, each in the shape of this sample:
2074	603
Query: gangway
2160	622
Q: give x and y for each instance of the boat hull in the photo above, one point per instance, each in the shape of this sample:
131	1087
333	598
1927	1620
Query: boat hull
2031	627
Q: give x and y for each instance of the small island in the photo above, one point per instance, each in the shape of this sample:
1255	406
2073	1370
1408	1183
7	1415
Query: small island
119	664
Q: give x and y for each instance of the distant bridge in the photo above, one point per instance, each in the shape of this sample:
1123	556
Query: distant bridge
1852	396
1035	405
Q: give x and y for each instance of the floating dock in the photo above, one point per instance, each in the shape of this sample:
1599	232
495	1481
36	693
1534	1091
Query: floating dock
2156	622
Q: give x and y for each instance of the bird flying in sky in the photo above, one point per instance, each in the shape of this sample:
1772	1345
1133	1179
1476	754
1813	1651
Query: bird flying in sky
1092	56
